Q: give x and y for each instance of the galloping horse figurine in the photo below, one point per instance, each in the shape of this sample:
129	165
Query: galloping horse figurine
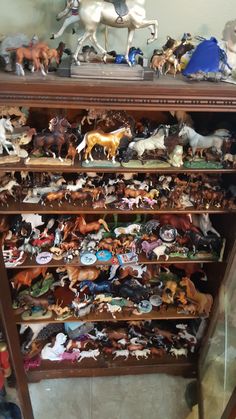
110	142
94	12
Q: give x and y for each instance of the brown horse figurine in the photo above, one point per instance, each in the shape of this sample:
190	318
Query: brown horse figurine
109	141
57	137
26	276
36	54
71	153
204	301
84	228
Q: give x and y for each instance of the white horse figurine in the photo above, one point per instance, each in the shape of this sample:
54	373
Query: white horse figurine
94	12
54	353
152	143
5	125
200	142
92	353
131	229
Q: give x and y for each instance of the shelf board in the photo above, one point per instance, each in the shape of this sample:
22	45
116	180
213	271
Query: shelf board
28	263
106	366
164	93
77	168
170	314
67	208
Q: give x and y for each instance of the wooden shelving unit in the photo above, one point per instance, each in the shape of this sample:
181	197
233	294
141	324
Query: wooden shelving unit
164	94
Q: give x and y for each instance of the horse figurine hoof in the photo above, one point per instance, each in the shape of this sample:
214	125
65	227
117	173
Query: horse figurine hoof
52	36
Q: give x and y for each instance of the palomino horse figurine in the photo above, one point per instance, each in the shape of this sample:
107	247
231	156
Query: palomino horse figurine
110	142
204	301
92	13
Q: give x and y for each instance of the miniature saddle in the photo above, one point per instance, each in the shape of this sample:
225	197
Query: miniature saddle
121	9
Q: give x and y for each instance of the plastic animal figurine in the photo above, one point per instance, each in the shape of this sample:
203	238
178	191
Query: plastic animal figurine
57	137
26	276
36	53
148	247
152	143
92	353
130	202
131	229
110	142
141	354
92	14
76	274
199	143
179	352
204	301
85	228
30	302
54	353
169	292
161	251
113	309
204	223
176	157
94	287
121	353
133	52
5	125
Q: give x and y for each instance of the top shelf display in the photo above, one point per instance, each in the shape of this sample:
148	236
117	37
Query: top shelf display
165	93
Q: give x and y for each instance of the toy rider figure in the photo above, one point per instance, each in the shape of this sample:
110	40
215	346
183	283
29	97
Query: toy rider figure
120	8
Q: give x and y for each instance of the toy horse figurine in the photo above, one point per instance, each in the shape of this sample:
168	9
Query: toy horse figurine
110	142
92	13
204	301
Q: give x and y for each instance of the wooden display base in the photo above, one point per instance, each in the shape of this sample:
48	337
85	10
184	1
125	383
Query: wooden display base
47	161
9	159
101	163
104	71
148	164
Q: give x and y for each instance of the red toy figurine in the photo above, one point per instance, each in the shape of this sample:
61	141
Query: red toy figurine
5	369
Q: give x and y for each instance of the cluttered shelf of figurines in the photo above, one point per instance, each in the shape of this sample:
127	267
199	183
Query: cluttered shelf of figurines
109	348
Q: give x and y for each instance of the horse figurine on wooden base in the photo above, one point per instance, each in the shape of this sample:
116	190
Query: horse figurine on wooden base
109	141
199	143
92	13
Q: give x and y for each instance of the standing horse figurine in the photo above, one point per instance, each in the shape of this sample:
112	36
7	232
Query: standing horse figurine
71	15
92	13
110	142
56	137
199	143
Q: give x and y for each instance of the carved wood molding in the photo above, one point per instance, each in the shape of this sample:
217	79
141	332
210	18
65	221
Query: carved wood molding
120	101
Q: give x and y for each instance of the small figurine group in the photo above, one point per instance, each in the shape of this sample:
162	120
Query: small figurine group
101	341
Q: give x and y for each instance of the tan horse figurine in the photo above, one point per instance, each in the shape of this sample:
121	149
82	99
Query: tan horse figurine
204	301
84	228
75	274
109	141
37	54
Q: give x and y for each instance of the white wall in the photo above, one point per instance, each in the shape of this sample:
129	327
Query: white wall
202	17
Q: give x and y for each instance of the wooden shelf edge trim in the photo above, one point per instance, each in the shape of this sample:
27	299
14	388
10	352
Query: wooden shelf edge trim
186	368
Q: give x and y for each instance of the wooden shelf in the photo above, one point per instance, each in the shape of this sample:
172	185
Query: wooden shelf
28	263
67	208
168	364
164	93
170	314
78	168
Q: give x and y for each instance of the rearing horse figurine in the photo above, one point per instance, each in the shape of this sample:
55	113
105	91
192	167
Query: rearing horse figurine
94	12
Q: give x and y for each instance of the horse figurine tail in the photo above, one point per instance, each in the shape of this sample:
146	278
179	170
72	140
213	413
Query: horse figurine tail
82	145
103	222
